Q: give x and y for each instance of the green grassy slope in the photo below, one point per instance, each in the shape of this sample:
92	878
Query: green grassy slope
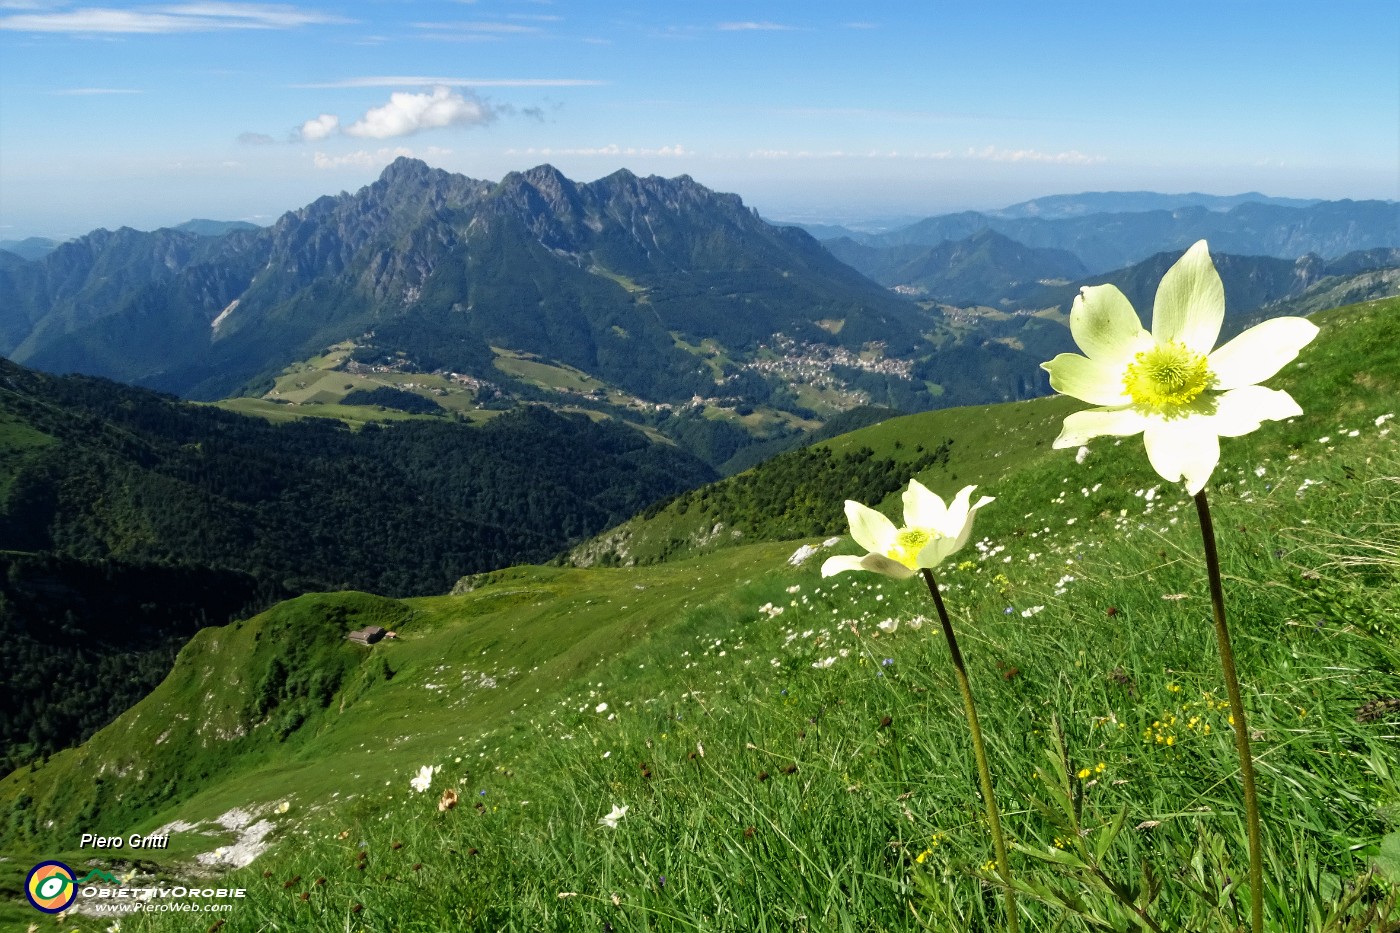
986	444
789	764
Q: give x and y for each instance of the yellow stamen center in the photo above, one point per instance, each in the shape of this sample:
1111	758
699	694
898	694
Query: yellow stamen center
908	543
1167	376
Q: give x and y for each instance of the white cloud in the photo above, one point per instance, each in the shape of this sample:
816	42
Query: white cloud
798	154
751	26
477	28
94	91
422	81
360	159
319	128
406	114
1072	157
985	154
364	158
609	150
175	18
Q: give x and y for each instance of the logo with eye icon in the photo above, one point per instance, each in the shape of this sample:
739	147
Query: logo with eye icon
51	887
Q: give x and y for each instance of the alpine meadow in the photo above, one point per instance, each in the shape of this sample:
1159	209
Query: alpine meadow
795	468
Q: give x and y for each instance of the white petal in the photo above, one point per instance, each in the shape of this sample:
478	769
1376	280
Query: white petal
922	508
966	531
1190	303
1098	422
1183	449
956	518
1242	410
879	563
840	564
1105	326
1261	351
933	553
872	530
1090	380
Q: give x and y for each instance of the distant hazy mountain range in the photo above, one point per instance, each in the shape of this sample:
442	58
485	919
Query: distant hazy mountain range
981	269
1060	206
1106	240
34	247
37	247
991	270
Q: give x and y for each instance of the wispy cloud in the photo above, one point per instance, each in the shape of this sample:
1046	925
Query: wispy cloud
985	154
176	18
993	154
421	81
751	26
361	159
365	159
775	154
256	139
94	91
609	150
475	30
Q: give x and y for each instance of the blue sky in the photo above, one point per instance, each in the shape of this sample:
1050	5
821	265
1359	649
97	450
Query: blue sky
153	113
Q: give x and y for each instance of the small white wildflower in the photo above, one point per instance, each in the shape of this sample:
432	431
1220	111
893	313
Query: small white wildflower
611	820
424	778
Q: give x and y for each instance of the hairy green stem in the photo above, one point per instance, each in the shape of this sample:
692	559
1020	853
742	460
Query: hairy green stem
1232	687
979	751
1125	898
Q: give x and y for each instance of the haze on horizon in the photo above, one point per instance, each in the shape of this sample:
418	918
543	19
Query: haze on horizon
150	114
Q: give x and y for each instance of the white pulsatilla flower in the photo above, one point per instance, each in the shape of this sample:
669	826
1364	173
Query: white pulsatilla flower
932	531
1171	385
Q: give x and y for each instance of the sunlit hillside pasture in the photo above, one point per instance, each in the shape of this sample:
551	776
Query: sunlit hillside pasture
723	740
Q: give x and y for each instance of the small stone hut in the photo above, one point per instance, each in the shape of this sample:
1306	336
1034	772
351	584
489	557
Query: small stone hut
367	635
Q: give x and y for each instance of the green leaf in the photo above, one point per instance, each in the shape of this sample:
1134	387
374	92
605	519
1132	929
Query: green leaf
1387	860
1107	834
1056	856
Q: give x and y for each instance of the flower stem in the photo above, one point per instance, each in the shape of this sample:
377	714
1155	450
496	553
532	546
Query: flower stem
1232	687
979	751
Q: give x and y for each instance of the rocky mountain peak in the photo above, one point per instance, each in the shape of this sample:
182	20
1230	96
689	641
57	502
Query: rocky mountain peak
404	170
